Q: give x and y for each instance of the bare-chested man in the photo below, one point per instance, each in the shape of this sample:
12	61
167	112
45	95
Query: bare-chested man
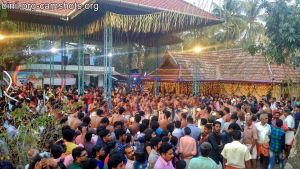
96	119
75	121
118	116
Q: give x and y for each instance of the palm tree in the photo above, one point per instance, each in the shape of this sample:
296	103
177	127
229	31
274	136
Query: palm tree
231	30
252	14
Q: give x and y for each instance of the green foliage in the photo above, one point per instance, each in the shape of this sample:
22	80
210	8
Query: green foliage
12	47
28	135
241	26
254	30
283	27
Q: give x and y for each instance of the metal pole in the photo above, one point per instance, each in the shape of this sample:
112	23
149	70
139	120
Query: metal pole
156	83
51	66
196	76
63	66
108	64
80	64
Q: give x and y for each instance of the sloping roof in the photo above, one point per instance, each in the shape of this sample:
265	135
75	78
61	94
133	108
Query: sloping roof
231	65
180	6
40	6
169	69
69	6
281	72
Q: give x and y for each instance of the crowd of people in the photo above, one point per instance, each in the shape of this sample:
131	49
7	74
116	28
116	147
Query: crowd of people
143	131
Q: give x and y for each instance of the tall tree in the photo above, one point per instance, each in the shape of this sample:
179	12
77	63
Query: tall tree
282	30
252	14
242	26
230	31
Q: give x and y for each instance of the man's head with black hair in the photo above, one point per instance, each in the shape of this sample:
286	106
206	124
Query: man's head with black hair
217	126
187	131
105	135
128	138
177	124
155	143
207	128
238	106
142	127
166	151
104	121
220	114
167	114
208	109
90	163
118	125
190	119
86	120
236	135
154	125
205	149
154	118
88	137
80	115
234	117
174	141
56	151
183	115
121	135
203	121
165	139
233	126
79	155
146	122
121	110
226	110
99	112
115	161
279	123
170	127
141	113
68	135
164	133
181	164
129	152
137	118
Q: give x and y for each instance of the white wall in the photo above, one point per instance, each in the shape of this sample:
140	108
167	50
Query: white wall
87	79
100	80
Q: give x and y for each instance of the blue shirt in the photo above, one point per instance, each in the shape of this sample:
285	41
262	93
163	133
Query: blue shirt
195	131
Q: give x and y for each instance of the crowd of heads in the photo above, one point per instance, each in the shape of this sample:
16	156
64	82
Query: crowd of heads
141	128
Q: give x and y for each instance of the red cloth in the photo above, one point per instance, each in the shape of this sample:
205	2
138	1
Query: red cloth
230	167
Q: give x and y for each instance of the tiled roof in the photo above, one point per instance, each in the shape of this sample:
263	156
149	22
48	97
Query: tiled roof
232	65
281	72
179	6
174	5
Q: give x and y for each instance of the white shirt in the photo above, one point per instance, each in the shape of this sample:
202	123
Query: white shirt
263	132
221	120
129	164
289	121
177	133
273	106
236	154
